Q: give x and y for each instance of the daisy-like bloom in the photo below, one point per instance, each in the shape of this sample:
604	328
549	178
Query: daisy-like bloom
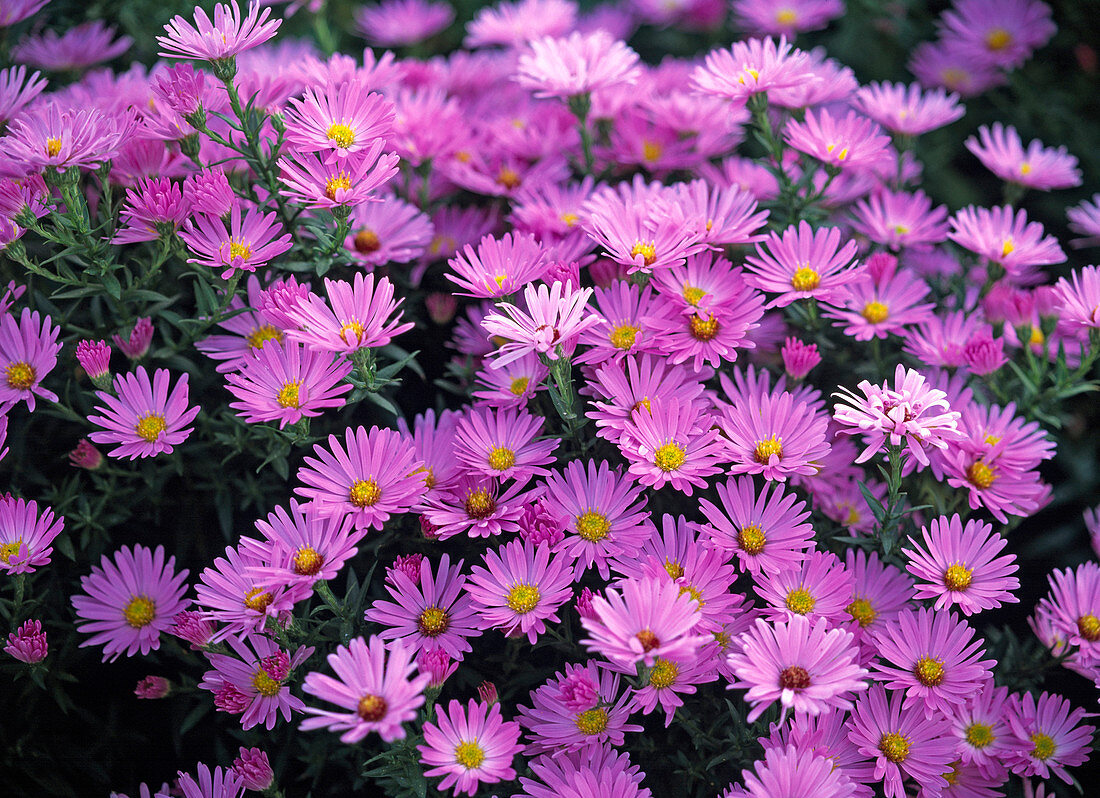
555	317
78	48
901	219
1073	609
600	770
578	64
876	308
154	207
879	594
907	110
302	547
476	505
17	90
714	335
28	643
1001	490
219	39
339	120
255	682
794	770
372	476
903	742
469	746
725	215
982	732
669	443
649	618
805	665
499	267
1049	736
1000	150
357	316
1080	300
516	23
932	656
375	687
521	587
577	711
944	63
315	183
606	512
25	536
752	67
49	136
633	235
19	10
142	417
206	783
625	327
787	18
1006	238
246	243
765	531
818	587
1085	219
632	385
911	414
804	263
959	566
851	142
251	324
1000	33
128	600
433	613
775	435
399	23
392	231
28	352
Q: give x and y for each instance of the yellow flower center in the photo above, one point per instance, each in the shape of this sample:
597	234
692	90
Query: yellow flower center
593	526
288	395
980	475
469	754
998	39
264	684
669	457
1089	627
648	639
509	178
570	219
262	334
800	601
257	599
501	459
9	550
953	77
480	504
150	427
992	440
372	708
1044	746
140	611
1007	248
337	183
623	337
355	327
805	279
20	375
751	539
862	611
875	312
794	678
901	229
979	735
752	73
433	621
519	385
648	251
651	150
239	250
695	593
929	671
1025	168
308	561
957	577
840	156
367	241
703	329
523	598
664	674
341	135
786	17
766	448
364	493
592	721
952	776
53	147
894	747
674	569
693	295
1037	338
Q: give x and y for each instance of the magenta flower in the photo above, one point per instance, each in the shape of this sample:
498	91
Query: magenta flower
714	335
392	231
254	681
1085	219
340	121
598	770
221	38
796	770
998	33
28	352
154	207
1007	239
434	613
208	192
469	746
1080	299
880	592
128	600
670	443
877	308
631	386
579	64
18	10
375	686
982	731
799	358
136	344
775	435
555	317
804	263
948	64
851	142
907	109
17	90
316	183
25	536
77	48
1001	152
48	136
764	18
1049	736
143	418
286	382
399	23
959	566
499	267
357	316
371	477
28	643
216	783
900	219
515	23
244	245
303	547
819	586
752	67
254	769
477	505
501	444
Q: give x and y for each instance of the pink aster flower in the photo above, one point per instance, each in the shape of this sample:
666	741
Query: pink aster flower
521	587
469	746
499	267
128	600
371	477
28	643
1080	299
478	506
879	594
1005	238
18	10
669	443
253	682
799	358
624	388
877	308
246	243
820	586
208	192
906	109
903	742
515	23
315	183
399	23
254	769
752	67
959	566
555	317
154	207
579	64
901	219
774	434
911	414
357	316
302	547
1000	150
28	352
392	231
77	48
794	770
981	730
339	121
946	64
221	38
1049	736
804	263
1000	33
787	18
142	417
206	783
1085	219
374	686
286	382
49	136
853	142
136	344
649	618
934	657
434	613
26	536
714	335
766	532
1073	609
600	770
17	90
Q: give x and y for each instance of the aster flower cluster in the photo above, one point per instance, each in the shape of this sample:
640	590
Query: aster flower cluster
534	420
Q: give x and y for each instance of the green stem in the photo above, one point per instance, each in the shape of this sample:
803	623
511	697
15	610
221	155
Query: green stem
581	105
